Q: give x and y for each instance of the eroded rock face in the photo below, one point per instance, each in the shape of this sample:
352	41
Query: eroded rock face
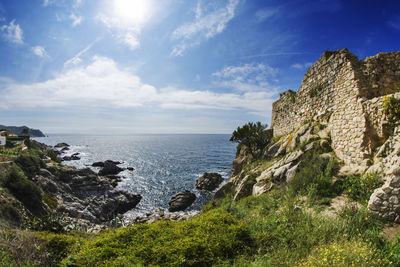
181	201
59	145
209	181
110	168
83	195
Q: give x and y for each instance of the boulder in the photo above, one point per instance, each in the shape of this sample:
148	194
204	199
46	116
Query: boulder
61	145
64	149
98	164
209	181
72	157
110	168
130	168
181	201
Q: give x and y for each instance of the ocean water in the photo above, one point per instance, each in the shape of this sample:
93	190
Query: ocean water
164	164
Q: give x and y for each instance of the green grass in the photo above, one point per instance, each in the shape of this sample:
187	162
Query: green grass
201	241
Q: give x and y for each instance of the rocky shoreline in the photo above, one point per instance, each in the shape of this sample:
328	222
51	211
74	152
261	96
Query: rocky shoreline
90	202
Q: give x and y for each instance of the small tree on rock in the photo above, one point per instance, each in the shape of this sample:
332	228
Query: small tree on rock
252	135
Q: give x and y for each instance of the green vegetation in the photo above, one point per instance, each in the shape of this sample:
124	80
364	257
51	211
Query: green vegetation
391	107
30	164
23	189
201	241
360	188
252	135
345	253
315	177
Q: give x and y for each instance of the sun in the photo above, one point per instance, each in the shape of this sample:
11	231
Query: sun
133	11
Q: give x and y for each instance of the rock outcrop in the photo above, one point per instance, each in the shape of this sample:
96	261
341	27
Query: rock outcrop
209	181
181	201
82	194
110	168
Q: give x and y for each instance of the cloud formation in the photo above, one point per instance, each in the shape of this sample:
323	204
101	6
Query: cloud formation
247	77
75	60
209	21
301	66
265	13
12	33
103	85
76	20
39	51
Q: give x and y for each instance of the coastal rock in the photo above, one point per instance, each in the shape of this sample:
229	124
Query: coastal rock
98	164
84	195
110	168
209	181
64	149
181	201
61	145
72	157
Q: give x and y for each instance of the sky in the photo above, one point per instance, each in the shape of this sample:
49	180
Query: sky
171	66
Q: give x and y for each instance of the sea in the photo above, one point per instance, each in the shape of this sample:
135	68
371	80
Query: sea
164	164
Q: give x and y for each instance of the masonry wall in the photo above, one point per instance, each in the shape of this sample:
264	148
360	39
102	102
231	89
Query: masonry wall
344	93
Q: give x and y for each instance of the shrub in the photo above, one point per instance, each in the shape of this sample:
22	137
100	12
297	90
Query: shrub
345	253
395	251
315	177
51	223
197	242
252	135
391	107
30	164
360	188
50	200
23	189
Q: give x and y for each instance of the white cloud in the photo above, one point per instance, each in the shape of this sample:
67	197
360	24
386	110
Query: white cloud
75	3
301	66
207	24
102	84
248	77
266	13
75	60
39	51
12	33
76	20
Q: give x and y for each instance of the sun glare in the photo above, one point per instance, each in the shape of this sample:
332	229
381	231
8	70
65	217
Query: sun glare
133	11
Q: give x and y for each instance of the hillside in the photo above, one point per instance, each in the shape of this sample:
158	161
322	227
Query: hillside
18	130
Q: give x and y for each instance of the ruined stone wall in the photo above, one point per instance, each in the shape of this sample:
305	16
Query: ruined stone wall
344	93
381	74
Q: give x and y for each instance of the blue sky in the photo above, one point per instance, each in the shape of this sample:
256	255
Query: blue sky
171	66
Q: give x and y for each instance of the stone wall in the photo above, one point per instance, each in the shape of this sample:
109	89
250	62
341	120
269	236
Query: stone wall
343	92
385	201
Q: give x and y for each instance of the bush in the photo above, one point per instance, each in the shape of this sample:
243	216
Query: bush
23	189
197	242
360	188
252	135
30	164
315	177
345	253
50	200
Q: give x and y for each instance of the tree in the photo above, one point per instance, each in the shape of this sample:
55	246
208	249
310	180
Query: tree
25	131
252	135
